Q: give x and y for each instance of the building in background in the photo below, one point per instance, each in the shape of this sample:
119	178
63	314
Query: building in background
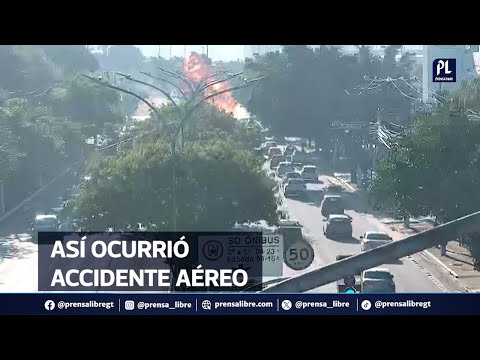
466	68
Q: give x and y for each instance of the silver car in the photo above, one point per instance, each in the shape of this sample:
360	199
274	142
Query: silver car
295	187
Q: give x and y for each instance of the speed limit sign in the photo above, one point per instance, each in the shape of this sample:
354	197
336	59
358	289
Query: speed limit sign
299	255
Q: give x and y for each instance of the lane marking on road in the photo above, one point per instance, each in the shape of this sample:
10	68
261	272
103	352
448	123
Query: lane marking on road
440	262
429	256
428	274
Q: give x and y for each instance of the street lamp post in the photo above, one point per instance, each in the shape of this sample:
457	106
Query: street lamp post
194	97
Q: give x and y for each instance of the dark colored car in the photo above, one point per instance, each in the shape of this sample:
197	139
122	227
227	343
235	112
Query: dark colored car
276	160
338	226
289	150
295	188
332	204
291	175
291	231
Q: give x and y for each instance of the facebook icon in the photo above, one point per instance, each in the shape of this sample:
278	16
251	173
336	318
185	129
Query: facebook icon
445	70
49	305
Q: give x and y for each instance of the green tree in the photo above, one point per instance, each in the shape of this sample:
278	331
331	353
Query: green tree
304	91
35	140
9	154
434	168
217	185
87	104
38	71
11	77
71	58
123	58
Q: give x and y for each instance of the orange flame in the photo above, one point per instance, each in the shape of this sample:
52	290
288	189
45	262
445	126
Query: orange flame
196	68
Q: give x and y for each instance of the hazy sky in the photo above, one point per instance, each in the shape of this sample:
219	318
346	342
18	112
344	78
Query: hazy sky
215	52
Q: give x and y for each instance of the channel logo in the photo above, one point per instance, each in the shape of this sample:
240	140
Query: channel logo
445	70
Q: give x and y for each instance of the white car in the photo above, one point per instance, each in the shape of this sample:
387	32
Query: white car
44	223
295	187
309	173
284	168
373	239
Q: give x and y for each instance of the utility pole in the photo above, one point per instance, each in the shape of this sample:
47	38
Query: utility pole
171	51
207	51
185	50
2	198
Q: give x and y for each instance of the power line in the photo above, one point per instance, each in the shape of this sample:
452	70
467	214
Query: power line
129	139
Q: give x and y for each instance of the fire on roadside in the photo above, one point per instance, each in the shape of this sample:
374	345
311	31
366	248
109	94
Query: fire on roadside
197	68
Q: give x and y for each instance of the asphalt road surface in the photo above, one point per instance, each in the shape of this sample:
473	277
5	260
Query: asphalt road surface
411	274
18	254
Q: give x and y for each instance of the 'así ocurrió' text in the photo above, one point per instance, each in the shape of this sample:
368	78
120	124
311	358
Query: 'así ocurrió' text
73	249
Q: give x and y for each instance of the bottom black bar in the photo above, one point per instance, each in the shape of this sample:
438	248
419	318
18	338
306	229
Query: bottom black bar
239	304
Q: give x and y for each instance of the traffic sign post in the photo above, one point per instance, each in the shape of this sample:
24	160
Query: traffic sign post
259	255
299	255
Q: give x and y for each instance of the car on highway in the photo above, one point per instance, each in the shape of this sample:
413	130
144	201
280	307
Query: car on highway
309	173
136	227
373	239
295	188
276	160
299	157
289	150
338	225
44	223
334	188
284	168
263	149
268	144
332	204
291	175
291	230
274	150
377	280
